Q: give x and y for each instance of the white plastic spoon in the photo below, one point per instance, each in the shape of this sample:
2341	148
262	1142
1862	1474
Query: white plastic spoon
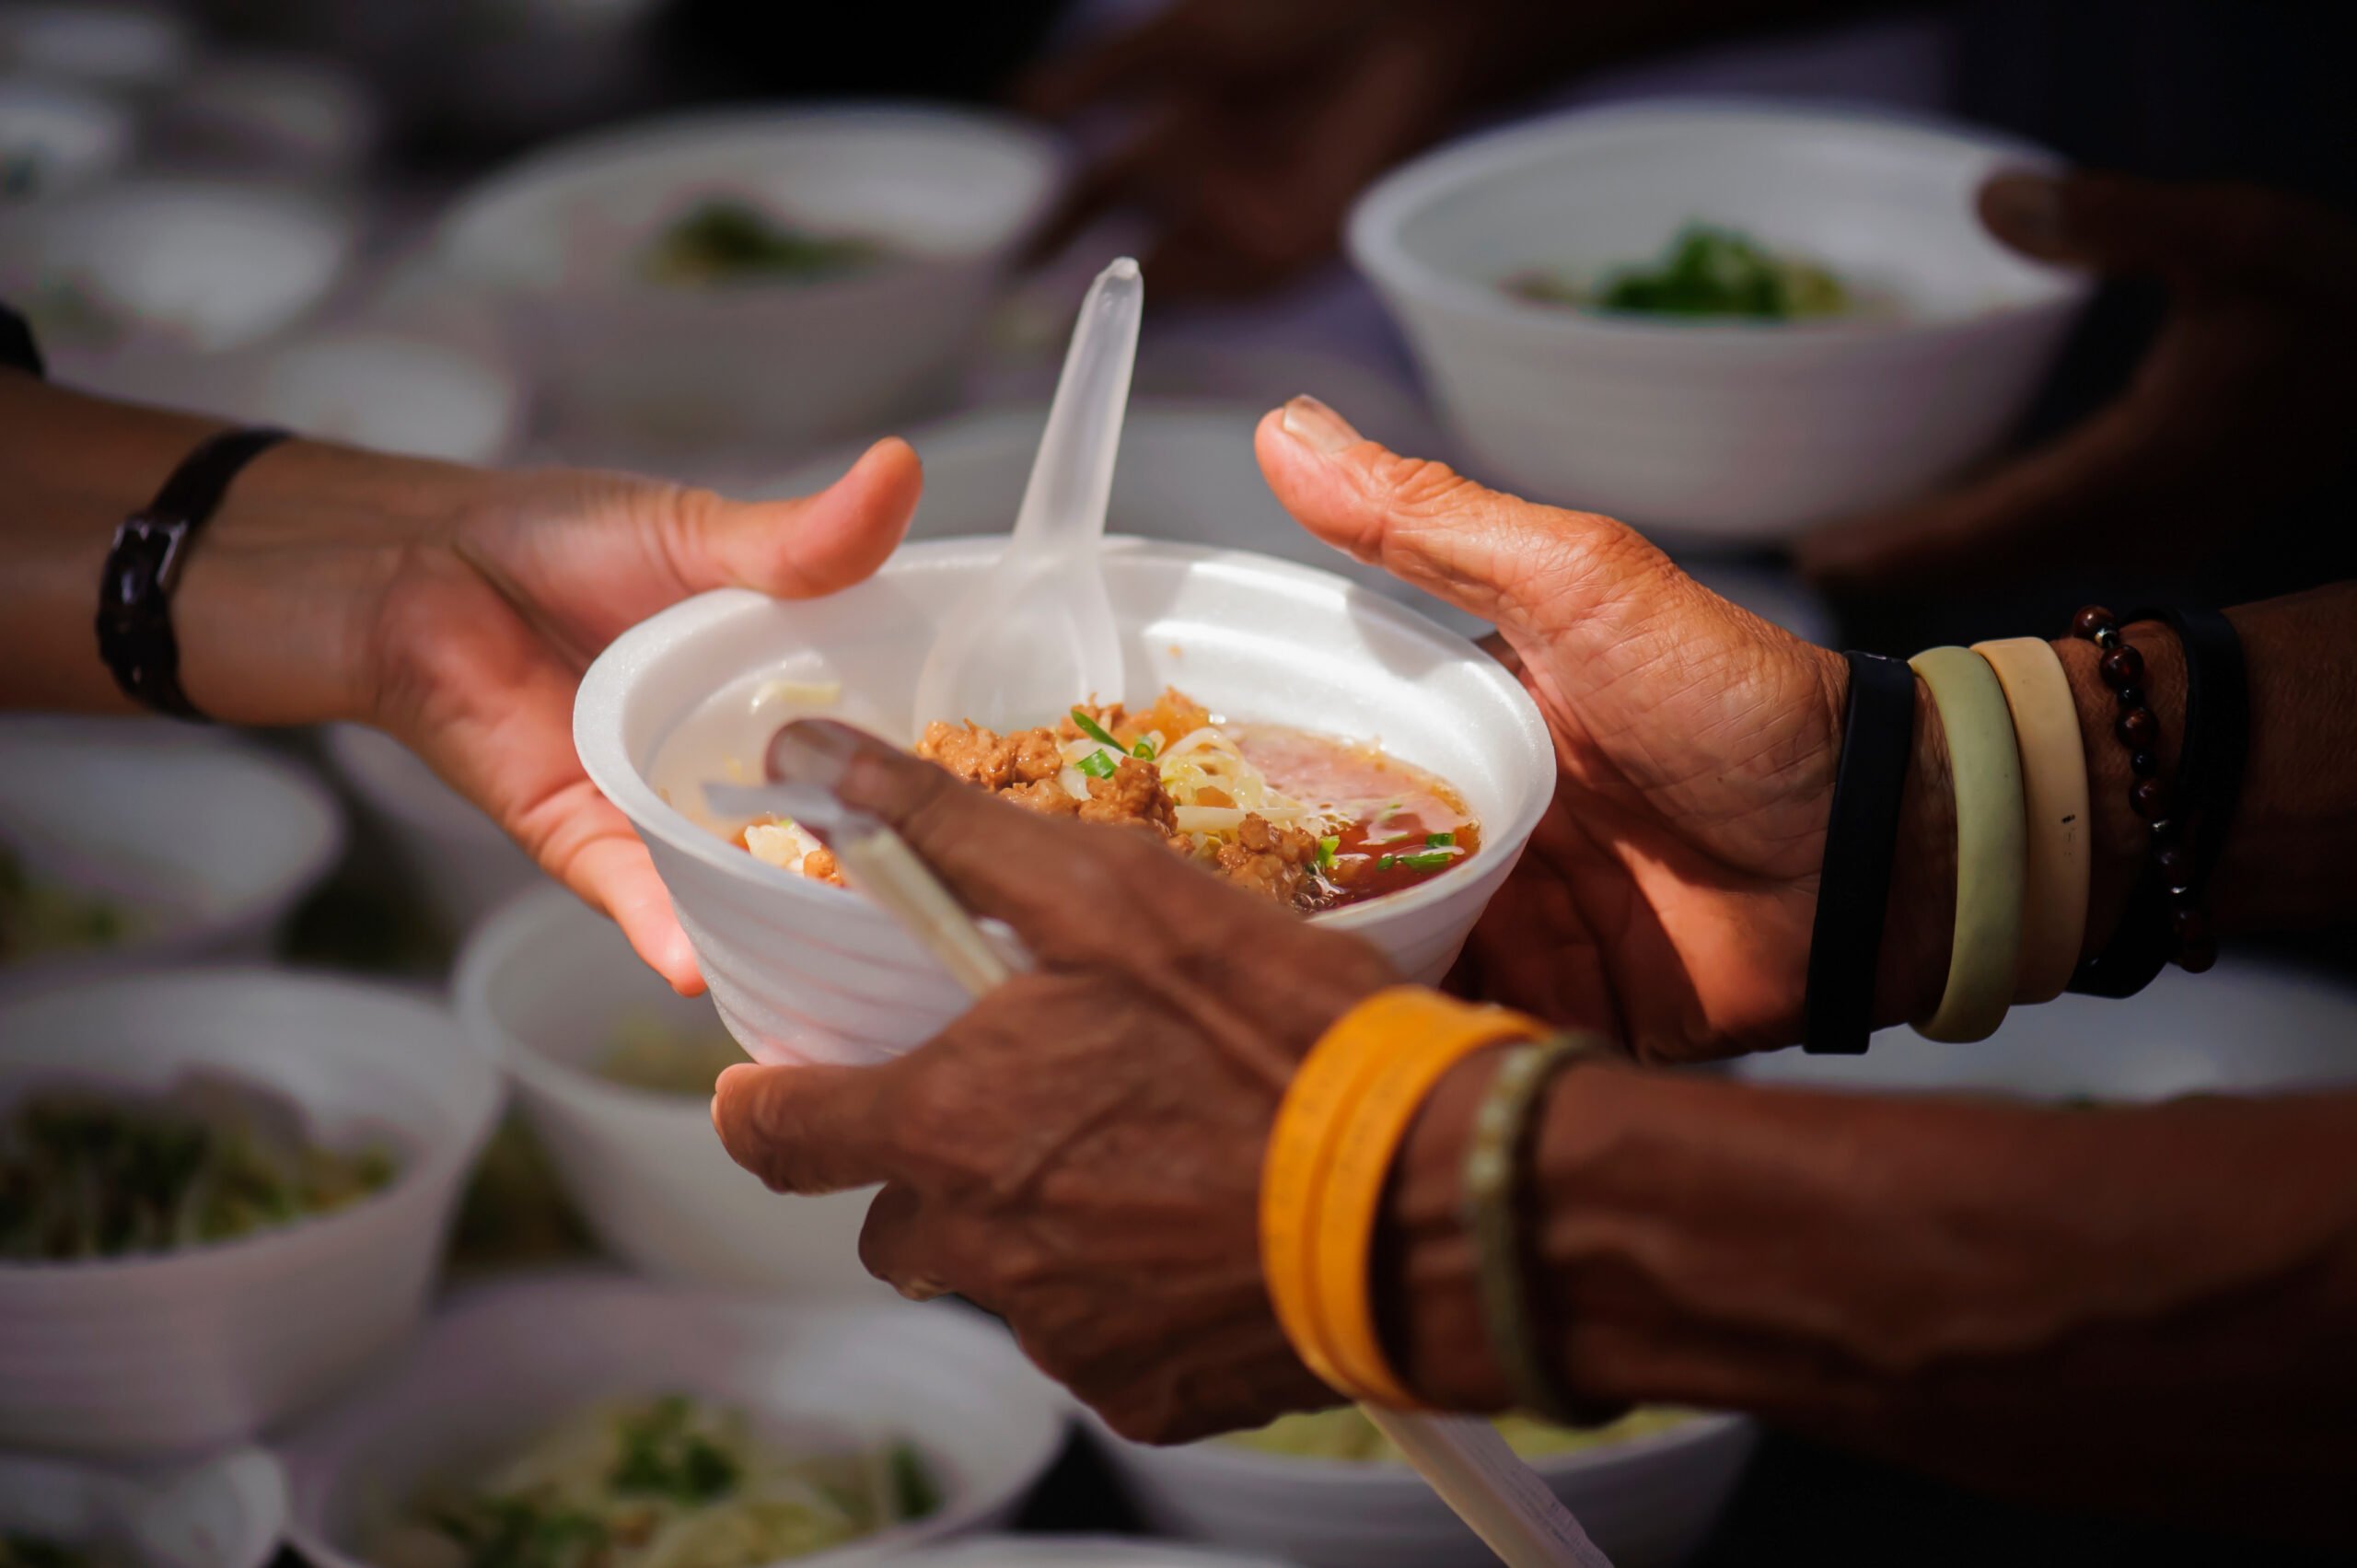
1036	634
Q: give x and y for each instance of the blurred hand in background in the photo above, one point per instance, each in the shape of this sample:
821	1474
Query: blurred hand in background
2244	403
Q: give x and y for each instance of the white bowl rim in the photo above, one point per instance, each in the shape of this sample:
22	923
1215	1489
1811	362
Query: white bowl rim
247	1470
1219	1461
585	152
1370	232
444	1157
491	947
608	762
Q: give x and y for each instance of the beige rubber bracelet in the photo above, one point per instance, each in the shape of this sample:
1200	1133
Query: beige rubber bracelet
1991	856
2054	806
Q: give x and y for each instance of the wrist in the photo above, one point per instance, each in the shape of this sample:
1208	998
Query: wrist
1920	925
2119	842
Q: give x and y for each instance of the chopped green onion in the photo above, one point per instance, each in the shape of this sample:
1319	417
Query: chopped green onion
1094	731
1385	862
1436	840
1427	860
1097	765
1143	751
1327	849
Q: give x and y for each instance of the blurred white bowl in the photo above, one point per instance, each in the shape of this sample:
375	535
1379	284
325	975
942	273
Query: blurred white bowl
2247	1026
226	1512
1075	1551
259	114
805	972
56	138
493	1372
1717	430
207	846
168	267
452	855
122	48
191	1350
541	985
558	240
1646	1502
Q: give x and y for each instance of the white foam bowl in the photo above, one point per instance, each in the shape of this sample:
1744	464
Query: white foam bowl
208	845
557	238
802	971
541	985
55	137
1647	1502
191	1350
127	49
491	1373
1075	1551
457	859
1716	430
226	1512
2247	1026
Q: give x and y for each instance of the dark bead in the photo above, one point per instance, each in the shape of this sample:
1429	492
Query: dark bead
2175	863
2195	958
2138	729
2188	925
2090	621
2144	764
2165	830
2108	638
2150	799
2123	665
2130	697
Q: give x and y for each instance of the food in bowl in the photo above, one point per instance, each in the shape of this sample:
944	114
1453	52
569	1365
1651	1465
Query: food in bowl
730	241
1308	820
1705	270
648	1053
40	914
669	1481
84	1176
1347	1434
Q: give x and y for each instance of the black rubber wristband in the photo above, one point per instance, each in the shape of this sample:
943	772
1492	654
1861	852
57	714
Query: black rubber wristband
1861	842
144	566
2207	789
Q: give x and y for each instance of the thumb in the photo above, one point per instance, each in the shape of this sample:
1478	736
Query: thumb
804	547
1535	572
2217	234
811	1130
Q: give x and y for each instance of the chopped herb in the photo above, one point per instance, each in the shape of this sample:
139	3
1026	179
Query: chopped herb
1327	849
1385	862
663	1457
1436	840
1143	751
1094	731
915	1495
1427	860
1097	765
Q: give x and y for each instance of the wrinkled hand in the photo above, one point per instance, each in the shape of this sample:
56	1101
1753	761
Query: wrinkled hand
1667	897
482	623
2245	401
1080	1152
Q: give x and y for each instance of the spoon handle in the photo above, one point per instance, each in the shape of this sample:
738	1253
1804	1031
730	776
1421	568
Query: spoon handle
1073	475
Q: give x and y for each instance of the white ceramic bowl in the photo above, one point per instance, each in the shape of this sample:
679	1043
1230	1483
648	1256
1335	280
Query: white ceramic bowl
802	971
2247	1026
208	846
455	857
126	49
557	239
541	986
191	1350
1647	1502
226	1512
1716	430
492	1372
56	138
273	114
1074	1551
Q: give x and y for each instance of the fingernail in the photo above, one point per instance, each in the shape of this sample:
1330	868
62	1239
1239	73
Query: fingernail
2024	208
1317	426
812	751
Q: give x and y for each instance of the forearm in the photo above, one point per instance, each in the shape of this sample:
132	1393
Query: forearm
2143	1307
272	613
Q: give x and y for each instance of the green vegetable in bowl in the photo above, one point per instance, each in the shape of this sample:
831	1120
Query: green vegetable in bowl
650	1054
730	241
1706	271
82	1176
1347	1434
39	914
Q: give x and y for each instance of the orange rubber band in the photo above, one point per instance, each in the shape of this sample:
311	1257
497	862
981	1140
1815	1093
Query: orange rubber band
1329	1157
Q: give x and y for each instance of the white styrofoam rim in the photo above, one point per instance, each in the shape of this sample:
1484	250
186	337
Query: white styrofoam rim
1371	234
1214	1461
583	154
606	759
250	1476
444	1161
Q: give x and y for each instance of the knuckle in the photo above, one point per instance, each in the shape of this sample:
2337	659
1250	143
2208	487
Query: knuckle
1420	487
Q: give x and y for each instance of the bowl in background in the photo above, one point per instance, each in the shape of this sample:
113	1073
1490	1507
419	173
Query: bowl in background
495	1370
541	986
557	241
56	138
181	1352
271	114
206	845
455	859
1075	1551
1714	430
1646	1502
226	1512
134	50
2247	1026
802	971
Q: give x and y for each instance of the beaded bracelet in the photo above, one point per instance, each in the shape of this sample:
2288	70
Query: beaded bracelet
2139	728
